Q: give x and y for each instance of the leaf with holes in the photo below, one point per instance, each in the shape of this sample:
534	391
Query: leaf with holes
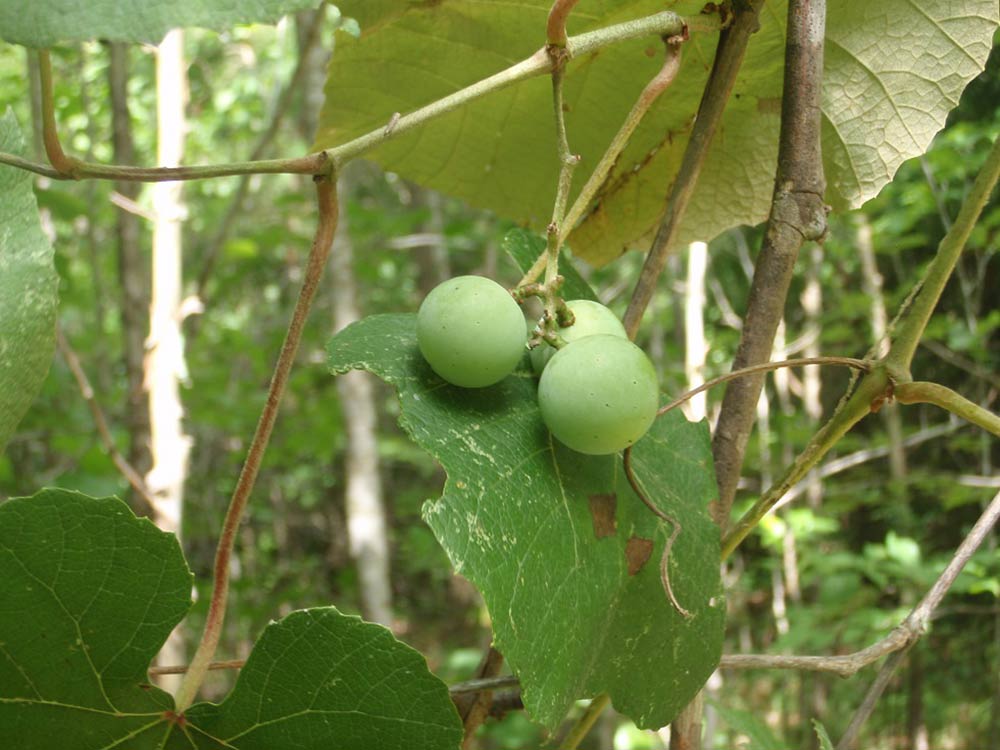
564	553
43	23
89	593
893	71
29	290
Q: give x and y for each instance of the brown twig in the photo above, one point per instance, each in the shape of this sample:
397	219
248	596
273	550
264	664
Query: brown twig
63	164
797	215
182	669
474	706
326	193
747	371
862	365
728	59
916	622
877	385
664	23
87	391
475	685
657	85
555	28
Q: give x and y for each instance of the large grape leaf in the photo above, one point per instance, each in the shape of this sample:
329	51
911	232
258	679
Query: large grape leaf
319	679
564	553
29	290
43	23
893	70
89	593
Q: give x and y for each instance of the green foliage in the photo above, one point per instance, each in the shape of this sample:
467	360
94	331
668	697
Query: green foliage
862	555
885	96
825	743
562	550
44	23
92	592
320	679
751	727
28	290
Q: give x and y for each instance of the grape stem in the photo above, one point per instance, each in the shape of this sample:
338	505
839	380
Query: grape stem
324	162
326	192
657	85
863	365
556	313
663	515
859	364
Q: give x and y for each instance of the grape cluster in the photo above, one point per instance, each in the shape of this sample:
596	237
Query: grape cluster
598	394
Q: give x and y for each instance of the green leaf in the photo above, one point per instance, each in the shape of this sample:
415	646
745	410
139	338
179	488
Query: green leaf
321	679
525	247
548	535
43	23
29	290
893	70
90	593
756	730
825	743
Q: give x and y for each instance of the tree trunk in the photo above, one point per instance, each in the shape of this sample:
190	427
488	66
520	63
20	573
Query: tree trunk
433	265
695	348
685	731
165	353
812	396
313	71
133	272
916	729
366	522
871	283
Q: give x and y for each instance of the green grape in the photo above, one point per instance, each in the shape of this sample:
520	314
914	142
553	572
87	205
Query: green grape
592	319
599	394
471	331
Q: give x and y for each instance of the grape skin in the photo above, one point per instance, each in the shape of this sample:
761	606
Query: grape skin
471	331
599	394
591	319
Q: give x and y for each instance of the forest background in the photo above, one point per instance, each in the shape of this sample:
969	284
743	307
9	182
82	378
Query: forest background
828	573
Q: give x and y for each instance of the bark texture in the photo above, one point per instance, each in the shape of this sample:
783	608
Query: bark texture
365	507
133	268
728	58
797	214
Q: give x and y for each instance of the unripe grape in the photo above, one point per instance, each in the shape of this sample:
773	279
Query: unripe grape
470	331
599	394
591	319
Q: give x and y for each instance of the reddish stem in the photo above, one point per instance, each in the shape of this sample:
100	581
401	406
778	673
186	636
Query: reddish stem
326	193
555	29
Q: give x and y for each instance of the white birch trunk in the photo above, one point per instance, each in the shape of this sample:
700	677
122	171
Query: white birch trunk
366	521
164	365
695	348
